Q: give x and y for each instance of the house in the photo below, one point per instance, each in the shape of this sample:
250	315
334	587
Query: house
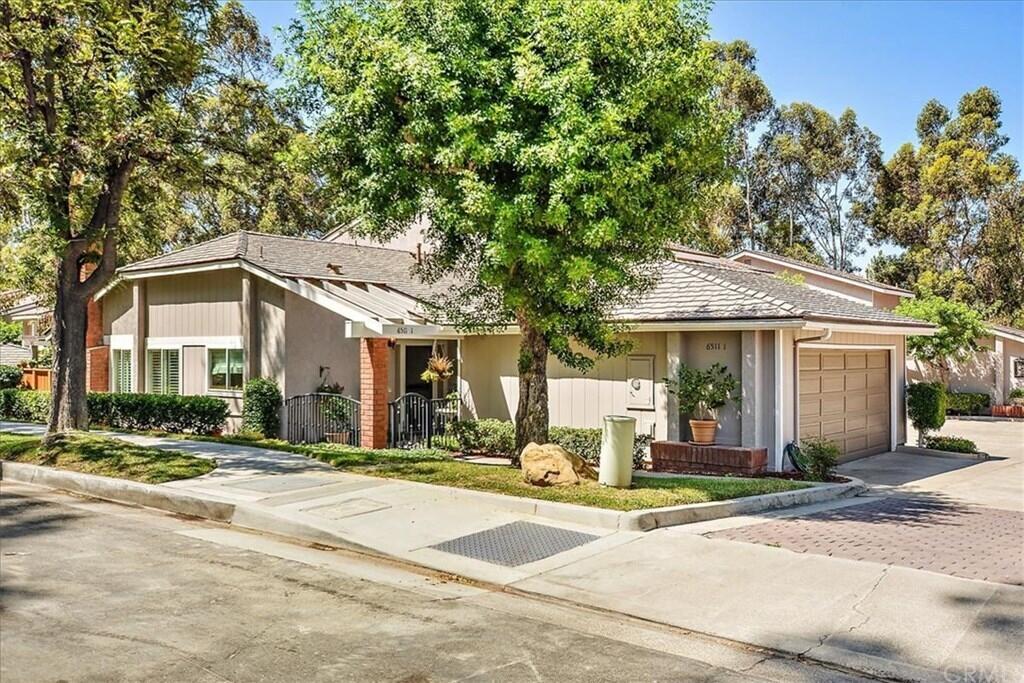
204	319
996	370
35	318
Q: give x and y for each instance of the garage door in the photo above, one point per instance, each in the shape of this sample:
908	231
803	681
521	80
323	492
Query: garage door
844	397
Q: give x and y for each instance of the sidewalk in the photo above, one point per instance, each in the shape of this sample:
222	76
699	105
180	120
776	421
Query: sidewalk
888	620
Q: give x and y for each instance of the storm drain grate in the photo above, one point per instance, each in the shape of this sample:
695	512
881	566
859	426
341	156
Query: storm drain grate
514	544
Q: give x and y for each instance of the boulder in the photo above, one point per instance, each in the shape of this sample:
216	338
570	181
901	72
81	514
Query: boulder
552	465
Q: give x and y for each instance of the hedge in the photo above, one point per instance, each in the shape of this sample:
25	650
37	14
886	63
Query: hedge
952	444
161	412
10	376
261	407
498	437
926	407
967	402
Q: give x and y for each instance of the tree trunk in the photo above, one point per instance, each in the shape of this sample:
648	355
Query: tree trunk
532	411
68	409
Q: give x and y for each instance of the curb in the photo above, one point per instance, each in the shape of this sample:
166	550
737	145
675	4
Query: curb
933	453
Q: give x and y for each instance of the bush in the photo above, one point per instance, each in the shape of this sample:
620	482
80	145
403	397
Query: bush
926	407
261	407
967	402
953	444
819	457
1017	396
498	437
10	377
24	405
161	412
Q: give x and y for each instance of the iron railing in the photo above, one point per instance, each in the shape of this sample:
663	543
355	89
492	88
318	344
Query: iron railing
318	417
415	421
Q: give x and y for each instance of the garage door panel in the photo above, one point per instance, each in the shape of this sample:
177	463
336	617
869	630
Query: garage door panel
844	397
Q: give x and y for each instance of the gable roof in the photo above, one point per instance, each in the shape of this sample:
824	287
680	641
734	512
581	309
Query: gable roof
295	257
1006	331
821	270
363	282
702	288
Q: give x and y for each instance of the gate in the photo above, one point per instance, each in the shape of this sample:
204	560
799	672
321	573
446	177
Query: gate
314	418
415	421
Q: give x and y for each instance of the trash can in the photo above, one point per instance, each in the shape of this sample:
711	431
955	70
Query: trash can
617	437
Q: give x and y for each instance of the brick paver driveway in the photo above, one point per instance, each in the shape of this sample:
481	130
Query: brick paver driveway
955	517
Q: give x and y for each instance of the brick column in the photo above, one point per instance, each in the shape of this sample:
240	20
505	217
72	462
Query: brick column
373	392
97	354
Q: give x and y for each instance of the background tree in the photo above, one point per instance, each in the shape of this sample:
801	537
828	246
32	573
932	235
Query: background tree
114	118
818	172
954	204
555	146
956	340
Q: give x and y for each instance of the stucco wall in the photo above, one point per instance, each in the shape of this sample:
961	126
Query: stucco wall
490	384
270	326
195	305
977	374
702	350
315	338
1011	350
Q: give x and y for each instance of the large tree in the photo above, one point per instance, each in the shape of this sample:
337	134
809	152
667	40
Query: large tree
954	204
817	172
115	117
554	145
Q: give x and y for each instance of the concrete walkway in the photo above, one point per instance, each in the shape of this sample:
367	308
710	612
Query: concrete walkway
871	617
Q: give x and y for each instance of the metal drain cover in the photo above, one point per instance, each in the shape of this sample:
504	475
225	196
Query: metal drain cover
514	544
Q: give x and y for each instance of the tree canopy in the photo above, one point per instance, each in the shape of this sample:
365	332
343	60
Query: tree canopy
955	340
555	147
954	202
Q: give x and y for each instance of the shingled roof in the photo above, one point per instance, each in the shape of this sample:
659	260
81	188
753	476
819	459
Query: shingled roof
294	257
693	286
834	272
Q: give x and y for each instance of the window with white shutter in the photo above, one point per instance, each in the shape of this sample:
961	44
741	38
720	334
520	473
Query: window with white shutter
122	374
164	371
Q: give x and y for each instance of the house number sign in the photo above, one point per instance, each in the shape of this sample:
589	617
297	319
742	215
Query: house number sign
715	346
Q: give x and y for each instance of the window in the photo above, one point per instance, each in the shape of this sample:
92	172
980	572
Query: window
225	369
122	374
164	371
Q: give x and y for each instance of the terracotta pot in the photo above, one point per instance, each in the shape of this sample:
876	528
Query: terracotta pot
703	432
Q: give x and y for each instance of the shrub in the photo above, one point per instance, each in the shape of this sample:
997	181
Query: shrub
819	457
261	407
702	392
498	437
967	402
10	377
24	405
1017	396
161	412
926	407
953	444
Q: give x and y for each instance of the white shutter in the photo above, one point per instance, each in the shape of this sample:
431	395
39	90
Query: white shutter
172	372
156	379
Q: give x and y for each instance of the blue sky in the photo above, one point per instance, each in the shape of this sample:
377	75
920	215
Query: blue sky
883	59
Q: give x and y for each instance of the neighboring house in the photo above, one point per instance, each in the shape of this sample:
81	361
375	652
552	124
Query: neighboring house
204	319
13	354
35	318
848	285
996	370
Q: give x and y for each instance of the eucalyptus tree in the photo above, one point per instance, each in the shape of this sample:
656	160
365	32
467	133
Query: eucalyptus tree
555	146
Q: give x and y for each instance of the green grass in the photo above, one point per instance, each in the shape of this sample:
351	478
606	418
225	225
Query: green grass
647	492
104	456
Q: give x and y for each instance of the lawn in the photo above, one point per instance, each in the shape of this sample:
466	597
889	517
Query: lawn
104	456
647	492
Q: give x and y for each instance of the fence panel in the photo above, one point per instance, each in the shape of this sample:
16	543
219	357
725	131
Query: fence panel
415	421
319	417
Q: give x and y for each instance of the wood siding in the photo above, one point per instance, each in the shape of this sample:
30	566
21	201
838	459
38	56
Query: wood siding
195	305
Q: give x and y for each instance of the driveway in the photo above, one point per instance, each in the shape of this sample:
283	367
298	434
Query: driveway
956	516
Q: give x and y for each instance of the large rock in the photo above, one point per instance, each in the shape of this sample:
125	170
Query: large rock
552	465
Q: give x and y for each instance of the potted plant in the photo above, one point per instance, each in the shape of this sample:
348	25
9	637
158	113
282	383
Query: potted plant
701	393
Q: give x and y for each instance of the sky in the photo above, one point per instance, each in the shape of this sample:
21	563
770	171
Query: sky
884	59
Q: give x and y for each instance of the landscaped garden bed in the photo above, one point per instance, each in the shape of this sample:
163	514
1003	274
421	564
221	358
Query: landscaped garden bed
104	456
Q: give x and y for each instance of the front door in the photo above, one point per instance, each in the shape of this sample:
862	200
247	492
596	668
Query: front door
416	358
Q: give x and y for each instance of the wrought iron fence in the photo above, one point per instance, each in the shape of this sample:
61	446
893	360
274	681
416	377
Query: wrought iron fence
315	418
415	421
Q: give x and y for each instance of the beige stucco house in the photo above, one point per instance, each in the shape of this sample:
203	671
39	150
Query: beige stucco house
996	370
306	313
